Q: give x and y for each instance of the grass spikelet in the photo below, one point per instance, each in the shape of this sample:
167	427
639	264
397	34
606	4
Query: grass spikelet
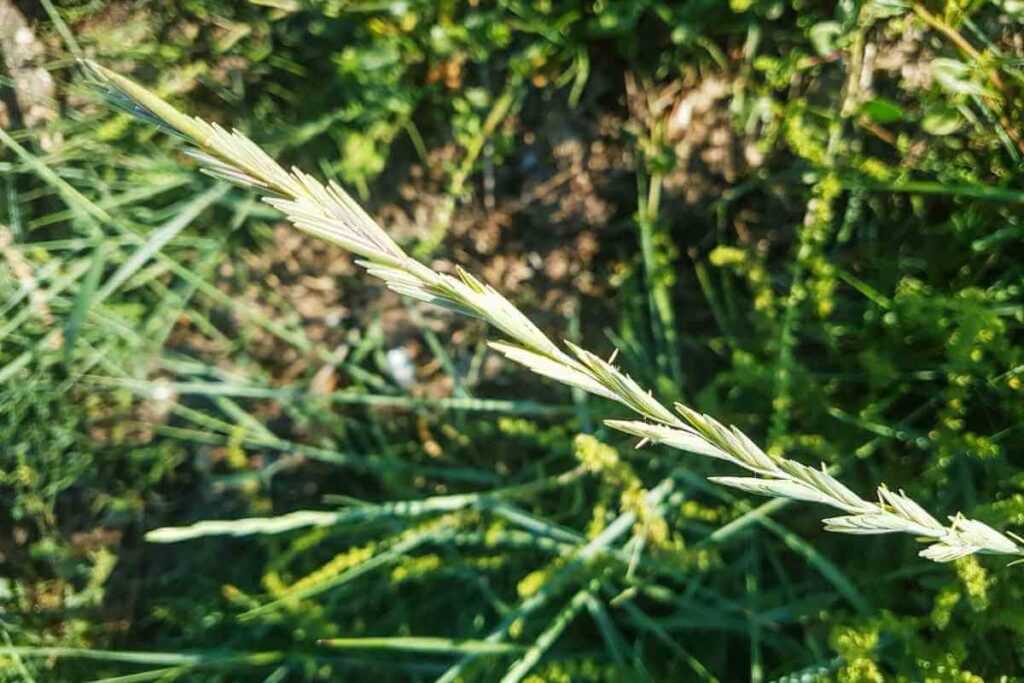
327	212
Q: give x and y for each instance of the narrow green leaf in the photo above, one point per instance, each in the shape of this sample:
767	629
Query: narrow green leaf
424	644
83	300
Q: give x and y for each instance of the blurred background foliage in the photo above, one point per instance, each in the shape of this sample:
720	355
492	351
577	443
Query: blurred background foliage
803	218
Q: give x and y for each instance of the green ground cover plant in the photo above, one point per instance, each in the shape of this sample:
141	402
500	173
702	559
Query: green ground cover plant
231	455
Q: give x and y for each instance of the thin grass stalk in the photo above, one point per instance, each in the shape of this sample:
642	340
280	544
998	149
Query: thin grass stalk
328	212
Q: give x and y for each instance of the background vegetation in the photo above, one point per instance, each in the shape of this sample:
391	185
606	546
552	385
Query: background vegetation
803	218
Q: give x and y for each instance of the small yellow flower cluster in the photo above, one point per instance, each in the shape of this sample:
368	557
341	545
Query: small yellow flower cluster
976	582
856	647
352	557
605	461
412	568
534	581
585	669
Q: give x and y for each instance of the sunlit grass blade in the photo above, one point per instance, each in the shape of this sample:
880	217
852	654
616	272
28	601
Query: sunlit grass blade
426	645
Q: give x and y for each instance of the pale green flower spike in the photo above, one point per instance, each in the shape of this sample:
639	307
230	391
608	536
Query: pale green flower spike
327	212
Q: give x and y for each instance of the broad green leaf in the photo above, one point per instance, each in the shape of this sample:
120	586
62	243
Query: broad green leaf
941	120
882	110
